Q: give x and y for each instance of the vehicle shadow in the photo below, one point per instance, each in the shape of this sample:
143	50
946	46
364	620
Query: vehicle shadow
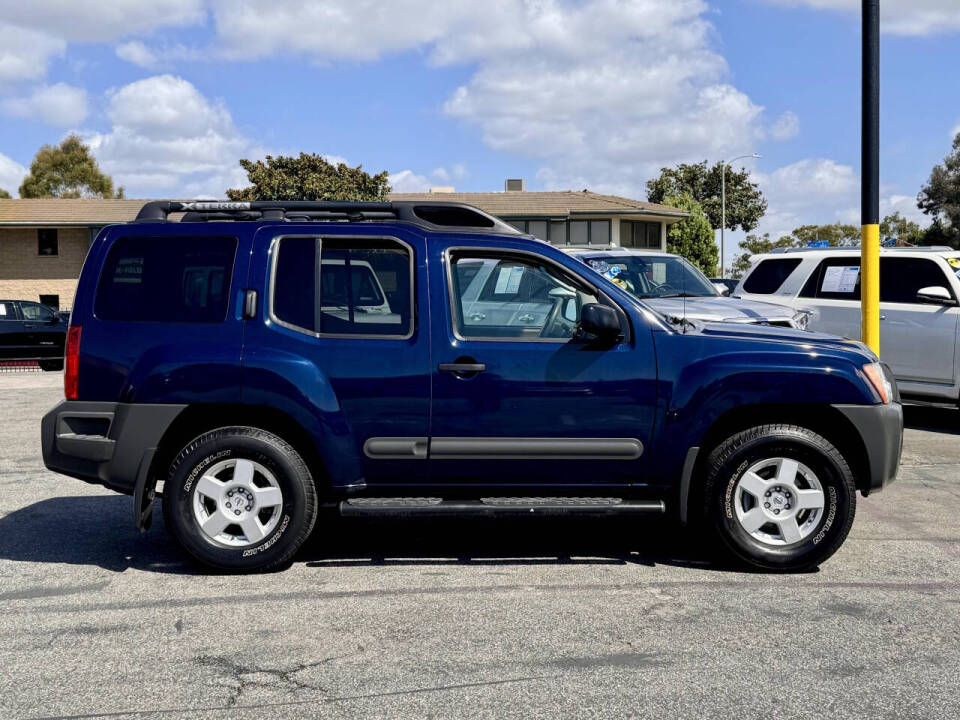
98	531
934	419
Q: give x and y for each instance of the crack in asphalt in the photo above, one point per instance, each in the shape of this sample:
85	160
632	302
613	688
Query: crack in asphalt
245	677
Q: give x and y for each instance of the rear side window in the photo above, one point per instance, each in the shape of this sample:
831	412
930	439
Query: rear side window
836	278
354	286
171	279
769	275
8	311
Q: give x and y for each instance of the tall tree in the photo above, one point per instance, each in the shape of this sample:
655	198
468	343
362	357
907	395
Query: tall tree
900	231
693	237
4	195
755	245
837	235
308	177
745	202
940	198
67	170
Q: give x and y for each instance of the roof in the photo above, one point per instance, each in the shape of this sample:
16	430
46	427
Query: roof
854	251
561	203
612	251
558	204
55	211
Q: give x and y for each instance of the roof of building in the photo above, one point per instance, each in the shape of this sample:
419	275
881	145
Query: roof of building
559	204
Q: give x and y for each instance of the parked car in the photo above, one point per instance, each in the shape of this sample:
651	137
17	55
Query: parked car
31	331
919	288
204	355
678	290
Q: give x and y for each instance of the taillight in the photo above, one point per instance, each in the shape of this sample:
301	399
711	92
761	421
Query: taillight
71	368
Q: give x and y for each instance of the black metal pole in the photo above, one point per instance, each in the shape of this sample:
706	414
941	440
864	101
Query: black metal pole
870	180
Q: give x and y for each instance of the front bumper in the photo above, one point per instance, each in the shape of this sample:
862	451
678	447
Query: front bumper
109	444
881	429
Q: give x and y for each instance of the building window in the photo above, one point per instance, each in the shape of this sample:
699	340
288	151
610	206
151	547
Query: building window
561	232
635	234
50	301
47	243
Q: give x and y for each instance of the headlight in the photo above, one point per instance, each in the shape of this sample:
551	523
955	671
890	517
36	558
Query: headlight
878	381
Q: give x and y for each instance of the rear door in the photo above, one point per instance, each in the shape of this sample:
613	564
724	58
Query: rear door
12	333
833	292
341	344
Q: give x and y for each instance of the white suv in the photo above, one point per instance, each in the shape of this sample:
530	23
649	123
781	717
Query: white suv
919	288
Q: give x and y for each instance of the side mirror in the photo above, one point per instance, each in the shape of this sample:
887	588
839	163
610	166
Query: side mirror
53	320
600	321
935	295
722	289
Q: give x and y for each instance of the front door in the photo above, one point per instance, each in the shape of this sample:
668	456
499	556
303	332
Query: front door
518	399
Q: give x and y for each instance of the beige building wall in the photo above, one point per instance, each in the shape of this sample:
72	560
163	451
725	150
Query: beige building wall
26	275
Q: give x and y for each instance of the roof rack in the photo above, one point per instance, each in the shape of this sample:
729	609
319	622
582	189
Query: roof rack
429	215
849	248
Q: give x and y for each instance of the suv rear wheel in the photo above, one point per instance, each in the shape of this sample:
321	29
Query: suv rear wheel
781	497
240	499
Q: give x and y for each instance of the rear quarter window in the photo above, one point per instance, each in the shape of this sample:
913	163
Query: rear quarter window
769	275
170	279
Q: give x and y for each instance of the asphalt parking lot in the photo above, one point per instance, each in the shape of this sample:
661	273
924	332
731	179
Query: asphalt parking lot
479	618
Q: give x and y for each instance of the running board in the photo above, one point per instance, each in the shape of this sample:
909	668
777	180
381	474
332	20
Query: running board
500	506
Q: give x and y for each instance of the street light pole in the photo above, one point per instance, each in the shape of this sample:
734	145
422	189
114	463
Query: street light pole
724	164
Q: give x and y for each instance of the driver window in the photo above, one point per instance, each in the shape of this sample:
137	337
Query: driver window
515	298
36	312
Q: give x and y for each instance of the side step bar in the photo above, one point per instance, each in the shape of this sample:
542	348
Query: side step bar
500	505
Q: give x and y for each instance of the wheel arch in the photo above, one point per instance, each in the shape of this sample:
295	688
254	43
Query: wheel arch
198	419
826	421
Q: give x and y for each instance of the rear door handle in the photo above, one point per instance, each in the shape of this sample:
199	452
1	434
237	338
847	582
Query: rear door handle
464	368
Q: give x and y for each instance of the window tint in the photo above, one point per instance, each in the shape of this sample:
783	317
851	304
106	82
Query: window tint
172	279
769	275
902	278
36	312
515	298
364	286
8	311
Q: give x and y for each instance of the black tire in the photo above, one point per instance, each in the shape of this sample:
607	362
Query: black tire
296	518
729	462
49	365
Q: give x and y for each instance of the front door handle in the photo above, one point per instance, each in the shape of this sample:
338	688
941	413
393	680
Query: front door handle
462	368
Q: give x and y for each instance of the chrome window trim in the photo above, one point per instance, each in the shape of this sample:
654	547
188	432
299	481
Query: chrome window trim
487	251
274	255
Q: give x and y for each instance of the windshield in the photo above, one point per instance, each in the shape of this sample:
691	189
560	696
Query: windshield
653	276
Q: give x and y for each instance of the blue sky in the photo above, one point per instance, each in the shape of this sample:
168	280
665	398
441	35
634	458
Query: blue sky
596	93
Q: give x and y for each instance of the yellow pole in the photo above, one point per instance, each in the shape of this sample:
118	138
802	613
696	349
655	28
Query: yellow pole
870	287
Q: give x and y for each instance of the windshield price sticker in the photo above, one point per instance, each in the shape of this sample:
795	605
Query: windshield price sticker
600	266
840	279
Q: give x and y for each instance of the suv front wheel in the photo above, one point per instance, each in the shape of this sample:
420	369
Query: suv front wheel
781	497
240	499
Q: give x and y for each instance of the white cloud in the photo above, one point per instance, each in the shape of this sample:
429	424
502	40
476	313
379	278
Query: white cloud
811	191
407	181
786	126
100	20
11	174
25	54
167	138
61	105
137	53
897	17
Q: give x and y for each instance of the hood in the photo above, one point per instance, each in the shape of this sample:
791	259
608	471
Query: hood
721	309
804	338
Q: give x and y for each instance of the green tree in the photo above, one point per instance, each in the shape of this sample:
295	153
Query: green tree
837	234
901	230
308	177
4	195
940	198
693	236
755	245
67	170
745	202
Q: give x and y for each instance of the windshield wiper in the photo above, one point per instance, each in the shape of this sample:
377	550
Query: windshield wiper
678	295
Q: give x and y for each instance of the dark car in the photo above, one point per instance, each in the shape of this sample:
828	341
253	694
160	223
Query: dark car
32	331
261	359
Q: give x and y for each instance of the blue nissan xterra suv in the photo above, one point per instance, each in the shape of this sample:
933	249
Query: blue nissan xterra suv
260	359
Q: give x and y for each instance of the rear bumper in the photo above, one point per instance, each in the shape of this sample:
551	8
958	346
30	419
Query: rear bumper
881	429
109	444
